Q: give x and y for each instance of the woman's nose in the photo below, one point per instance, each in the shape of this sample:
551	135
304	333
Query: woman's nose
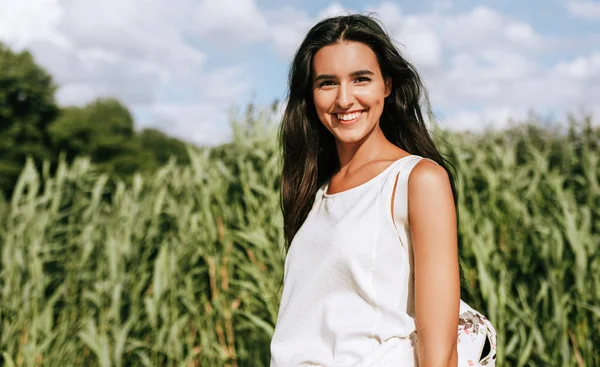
344	98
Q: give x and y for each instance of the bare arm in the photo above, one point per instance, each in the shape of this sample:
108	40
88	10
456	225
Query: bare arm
432	220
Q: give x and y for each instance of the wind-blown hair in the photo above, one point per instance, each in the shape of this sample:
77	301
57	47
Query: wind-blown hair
308	149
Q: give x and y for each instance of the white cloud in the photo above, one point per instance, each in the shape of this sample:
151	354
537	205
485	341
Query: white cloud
428	37
513	80
237	21
584	9
422	43
389	13
576	82
24	22
202	123
288	27
491	118
483	26
127	50
513	90
584	68
487	68
521	33
226	84
333	10
79	93
136	51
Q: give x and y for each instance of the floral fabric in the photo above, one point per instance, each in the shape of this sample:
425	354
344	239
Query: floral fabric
476	338
476	345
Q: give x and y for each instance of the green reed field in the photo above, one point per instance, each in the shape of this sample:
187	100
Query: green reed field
183	267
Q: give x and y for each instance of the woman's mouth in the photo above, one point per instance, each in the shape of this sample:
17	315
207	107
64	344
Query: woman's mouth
348	118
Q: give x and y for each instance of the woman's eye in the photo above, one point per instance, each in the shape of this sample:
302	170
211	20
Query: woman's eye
360	79
325	83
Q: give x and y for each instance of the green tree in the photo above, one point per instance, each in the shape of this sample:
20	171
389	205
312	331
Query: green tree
162	147
27	107
102	130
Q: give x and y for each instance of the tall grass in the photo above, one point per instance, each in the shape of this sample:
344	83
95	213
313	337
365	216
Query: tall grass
183	267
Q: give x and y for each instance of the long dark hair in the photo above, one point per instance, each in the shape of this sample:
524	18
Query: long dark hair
309	152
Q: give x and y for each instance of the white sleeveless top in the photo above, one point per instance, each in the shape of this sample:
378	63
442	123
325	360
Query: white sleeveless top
348	275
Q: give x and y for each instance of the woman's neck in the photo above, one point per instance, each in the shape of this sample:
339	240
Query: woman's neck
373	146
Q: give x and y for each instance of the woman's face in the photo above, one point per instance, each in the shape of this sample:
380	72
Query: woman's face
349	90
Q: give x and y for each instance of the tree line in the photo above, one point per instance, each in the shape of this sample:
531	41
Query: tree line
33	125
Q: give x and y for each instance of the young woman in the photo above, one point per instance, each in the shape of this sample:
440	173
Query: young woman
369	214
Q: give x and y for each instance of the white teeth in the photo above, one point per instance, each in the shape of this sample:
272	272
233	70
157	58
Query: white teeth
349	116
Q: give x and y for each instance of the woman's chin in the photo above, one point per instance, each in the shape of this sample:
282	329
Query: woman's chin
352	135
349	138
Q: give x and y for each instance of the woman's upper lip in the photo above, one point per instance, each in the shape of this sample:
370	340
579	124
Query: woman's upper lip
346	112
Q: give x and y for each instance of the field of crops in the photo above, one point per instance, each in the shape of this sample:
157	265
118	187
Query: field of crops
183	268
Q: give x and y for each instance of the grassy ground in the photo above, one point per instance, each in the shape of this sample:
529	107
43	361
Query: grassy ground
183	267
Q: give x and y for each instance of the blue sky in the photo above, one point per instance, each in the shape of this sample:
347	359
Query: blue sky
181	65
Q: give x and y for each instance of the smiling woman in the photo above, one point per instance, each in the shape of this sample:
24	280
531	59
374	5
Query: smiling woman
369	210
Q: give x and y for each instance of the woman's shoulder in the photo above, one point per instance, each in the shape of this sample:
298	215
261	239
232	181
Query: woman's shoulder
427	169
429	192
427	175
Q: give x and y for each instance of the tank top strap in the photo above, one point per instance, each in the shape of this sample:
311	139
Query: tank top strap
398	177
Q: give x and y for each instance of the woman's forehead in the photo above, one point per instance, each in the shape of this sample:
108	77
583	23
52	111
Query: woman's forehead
345	58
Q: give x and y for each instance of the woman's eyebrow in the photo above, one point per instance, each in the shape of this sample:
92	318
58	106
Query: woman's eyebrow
362	72
353	74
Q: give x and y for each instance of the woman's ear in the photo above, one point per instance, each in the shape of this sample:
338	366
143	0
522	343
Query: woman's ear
388	86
